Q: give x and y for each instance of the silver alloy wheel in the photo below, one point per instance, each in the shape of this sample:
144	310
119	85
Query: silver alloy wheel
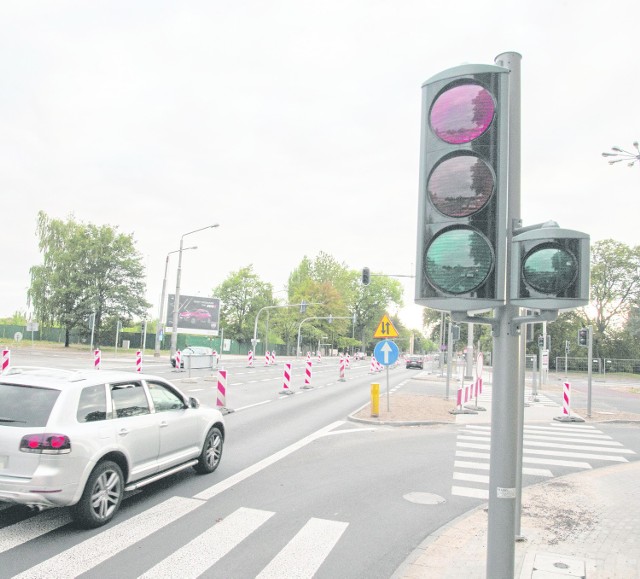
106	494
213	449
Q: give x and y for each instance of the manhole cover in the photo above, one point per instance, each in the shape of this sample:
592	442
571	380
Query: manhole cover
424	498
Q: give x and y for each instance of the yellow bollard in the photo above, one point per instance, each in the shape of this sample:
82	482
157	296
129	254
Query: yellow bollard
375	399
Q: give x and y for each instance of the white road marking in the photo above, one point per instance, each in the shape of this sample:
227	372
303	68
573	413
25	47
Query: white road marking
304	554
206	549
89	553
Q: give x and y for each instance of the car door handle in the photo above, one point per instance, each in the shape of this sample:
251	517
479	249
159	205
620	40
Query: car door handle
123	431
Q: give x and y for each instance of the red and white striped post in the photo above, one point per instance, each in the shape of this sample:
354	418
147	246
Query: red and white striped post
348	362
286	379
250	359
96	359
319	357
138	361
307	374
178	361
272	361
341	369
6	359
221	399
373	367
566	399
267	357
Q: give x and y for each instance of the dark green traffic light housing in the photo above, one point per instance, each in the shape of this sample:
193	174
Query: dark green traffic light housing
462	219
550	269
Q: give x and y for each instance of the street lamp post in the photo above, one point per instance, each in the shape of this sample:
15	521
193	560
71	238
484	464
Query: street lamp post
156	353
623	155
176	303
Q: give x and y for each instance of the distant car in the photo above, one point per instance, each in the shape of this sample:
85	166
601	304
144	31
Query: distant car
415	361
195	316
82	439
191	351
359	355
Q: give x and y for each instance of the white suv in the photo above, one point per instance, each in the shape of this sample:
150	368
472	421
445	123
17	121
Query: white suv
82	439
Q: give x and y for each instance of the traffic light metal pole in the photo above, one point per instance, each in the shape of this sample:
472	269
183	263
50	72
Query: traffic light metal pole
504	405
590	366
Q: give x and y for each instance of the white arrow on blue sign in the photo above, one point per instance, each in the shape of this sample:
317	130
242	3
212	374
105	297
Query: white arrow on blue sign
386	352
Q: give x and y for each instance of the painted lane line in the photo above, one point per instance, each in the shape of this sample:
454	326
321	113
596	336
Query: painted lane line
571	439
89	553
304	554
470	492
610	458
479	478
226	484
473	445
209	547
573	463
465	454
476	465
252	405
577	447
32	528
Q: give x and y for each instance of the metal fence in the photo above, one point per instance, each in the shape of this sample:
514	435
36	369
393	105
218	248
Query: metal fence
599	365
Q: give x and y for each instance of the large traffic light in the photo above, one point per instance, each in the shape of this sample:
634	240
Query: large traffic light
550	269
366	276
462	209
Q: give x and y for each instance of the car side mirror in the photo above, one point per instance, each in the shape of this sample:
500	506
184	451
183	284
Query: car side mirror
194	402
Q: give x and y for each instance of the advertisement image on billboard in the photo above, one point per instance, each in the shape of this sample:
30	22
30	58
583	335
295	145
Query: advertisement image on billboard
196	315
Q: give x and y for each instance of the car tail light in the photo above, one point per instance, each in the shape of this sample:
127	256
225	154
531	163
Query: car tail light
45	443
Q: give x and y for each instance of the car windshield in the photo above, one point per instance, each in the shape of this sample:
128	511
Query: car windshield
25	405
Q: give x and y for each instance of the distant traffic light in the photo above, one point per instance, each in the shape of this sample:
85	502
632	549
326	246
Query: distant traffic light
462	209
366	276
455	333
550	268
583	336
303	307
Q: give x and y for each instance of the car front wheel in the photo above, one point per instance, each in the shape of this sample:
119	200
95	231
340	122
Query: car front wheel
211	452
101	497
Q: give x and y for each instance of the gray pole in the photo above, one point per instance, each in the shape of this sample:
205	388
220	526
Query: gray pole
590	368
448	350
156	352
176	303
469	367
504	404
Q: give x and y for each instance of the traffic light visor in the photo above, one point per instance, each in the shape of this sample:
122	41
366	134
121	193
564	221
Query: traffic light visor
462	112
458	261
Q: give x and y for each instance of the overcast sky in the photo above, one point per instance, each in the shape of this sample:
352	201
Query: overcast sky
294	124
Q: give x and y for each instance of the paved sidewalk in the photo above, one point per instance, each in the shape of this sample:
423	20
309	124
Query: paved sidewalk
585	524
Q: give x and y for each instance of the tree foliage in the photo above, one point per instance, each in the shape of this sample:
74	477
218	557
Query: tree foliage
87	270
242	295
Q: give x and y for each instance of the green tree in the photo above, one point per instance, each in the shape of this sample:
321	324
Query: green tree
242	295
86	270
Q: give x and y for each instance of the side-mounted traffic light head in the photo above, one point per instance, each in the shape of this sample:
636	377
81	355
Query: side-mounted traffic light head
462	208
583	336
366	276
550	269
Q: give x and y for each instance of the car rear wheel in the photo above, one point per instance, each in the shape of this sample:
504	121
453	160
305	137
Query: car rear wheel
211	452
101	497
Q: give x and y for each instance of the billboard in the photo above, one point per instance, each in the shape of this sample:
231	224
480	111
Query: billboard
196	315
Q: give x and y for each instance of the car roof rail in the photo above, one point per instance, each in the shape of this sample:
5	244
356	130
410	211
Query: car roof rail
70	375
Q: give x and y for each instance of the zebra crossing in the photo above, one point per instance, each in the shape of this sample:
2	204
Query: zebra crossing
300	557
548	450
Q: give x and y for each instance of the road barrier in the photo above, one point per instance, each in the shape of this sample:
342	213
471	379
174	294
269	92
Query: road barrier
307	374
375	400
6	359
250	359
96	359
341	369
286	379
138	361
178	361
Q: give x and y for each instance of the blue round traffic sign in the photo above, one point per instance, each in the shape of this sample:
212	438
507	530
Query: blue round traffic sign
386	352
